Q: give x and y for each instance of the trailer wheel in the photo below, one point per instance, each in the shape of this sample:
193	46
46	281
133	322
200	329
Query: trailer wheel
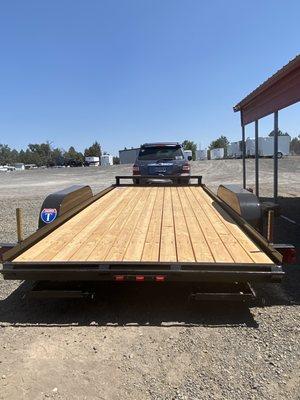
279	154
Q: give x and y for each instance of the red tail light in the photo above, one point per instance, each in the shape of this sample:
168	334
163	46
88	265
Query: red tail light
288	252
135	170
140	278
289	255
119	278
159	278
186	167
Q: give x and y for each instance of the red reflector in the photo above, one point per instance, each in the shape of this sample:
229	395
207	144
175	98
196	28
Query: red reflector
139	278
159	278
289	255
119	277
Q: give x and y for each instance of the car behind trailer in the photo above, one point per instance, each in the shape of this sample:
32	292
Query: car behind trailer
167	231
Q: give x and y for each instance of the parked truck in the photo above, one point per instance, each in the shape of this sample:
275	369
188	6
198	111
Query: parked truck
163	232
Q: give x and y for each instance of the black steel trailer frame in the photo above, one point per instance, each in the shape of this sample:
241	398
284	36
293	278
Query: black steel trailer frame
178	271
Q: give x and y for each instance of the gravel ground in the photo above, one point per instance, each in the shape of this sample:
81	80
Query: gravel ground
149	342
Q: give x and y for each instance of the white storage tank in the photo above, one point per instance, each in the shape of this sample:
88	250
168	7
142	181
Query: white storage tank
106	159
217	154
201	154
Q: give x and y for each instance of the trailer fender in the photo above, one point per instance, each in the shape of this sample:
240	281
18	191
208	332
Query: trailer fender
242	201
60	202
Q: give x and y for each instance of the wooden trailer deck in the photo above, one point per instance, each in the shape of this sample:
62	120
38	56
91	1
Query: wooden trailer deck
157	224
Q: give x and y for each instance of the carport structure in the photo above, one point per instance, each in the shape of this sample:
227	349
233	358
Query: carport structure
279	91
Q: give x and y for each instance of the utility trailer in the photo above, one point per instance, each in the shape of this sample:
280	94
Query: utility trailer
163	232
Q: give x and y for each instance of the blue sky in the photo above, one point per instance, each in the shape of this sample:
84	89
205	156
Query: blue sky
131	71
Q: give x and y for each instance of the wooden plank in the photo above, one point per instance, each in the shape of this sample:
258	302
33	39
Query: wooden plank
168	250
152	242
183	242
135	247
217	248
201	249
119	247
84	243
108	239
232	245
56	240
255	253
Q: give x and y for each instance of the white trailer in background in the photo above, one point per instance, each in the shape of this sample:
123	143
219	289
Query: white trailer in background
266	146
217	154
92	161
234	150
106	159
19	166
187	154
250	147
201	155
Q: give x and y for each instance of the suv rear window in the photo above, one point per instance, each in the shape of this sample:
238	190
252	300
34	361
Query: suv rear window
161	153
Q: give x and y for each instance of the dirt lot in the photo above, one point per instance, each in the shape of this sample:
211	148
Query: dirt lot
149	342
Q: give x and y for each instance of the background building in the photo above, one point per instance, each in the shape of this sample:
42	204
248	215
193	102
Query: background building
128	156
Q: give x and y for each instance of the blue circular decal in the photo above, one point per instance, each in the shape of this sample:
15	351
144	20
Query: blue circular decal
48	215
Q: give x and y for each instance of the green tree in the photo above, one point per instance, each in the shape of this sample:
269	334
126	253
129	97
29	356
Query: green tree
72	154
280	133
221	142
295	145
189	145
57	157
39	154
5	154
93	151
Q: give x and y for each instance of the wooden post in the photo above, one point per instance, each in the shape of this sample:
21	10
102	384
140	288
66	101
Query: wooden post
19	215
270	228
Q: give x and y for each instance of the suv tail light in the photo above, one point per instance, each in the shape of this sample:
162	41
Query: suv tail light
186	167
135	170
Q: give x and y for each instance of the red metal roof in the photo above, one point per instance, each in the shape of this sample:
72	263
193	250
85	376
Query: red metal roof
280	90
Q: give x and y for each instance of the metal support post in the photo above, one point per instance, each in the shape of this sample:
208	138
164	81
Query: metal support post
275	155
244	156
256	160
